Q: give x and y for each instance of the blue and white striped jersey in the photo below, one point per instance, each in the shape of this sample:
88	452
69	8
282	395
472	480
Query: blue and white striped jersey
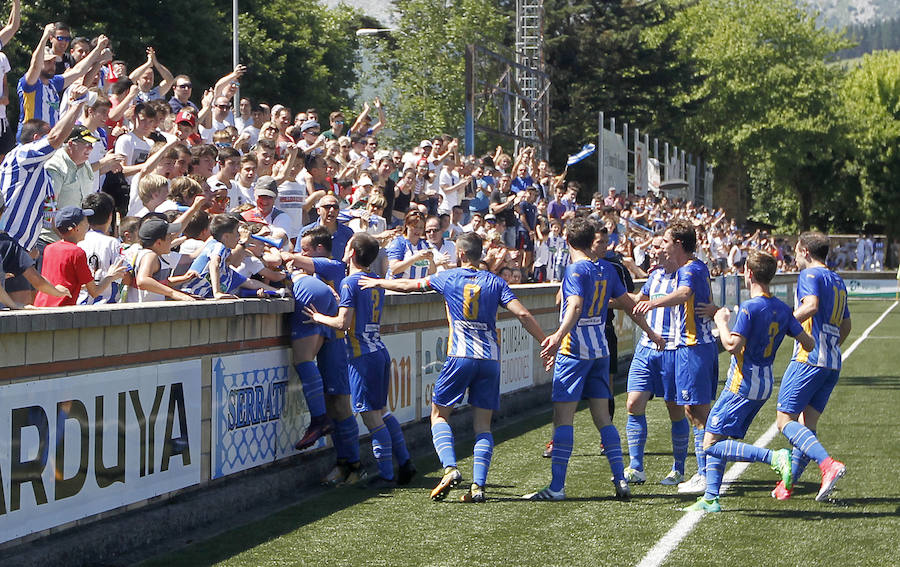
27	192
763	321
596	283
228	278
401	248
364	335
660	283
472	297
40	101
691	328
825	326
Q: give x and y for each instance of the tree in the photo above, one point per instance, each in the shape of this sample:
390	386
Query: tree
425	59
871	96
767	103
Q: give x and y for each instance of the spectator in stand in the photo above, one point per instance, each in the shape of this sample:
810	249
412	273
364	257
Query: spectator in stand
71	175
266	192
152	264
503	206
221	117
409	254
443	251
203	159
60	42
613	199
244	181
363	125
143	77
102	158
26	189
7	139
328	209
337	121
253	128
103	251
181	94
66	264
40	88
244	117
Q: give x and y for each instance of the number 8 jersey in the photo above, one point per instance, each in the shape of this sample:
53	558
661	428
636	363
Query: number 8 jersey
825	326
596	283
472	297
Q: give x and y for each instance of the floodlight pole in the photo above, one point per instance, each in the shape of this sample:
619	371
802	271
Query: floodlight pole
235	50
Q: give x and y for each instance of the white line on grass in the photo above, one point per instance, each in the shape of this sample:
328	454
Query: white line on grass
659	552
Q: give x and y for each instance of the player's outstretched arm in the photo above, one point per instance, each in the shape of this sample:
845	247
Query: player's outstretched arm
527	319
732	342
400	285
626	303
341	321
677	297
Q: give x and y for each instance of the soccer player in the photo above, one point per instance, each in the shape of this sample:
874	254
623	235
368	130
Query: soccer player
760	326
359	312
315	257
652	373
821	306
472	364
582	360
696	354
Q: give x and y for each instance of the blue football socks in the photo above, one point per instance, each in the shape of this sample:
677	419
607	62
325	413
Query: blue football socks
346	439
313	390
799	460
612	444
680	436
698	450
442	438
401	453
715	470
484	450
731	450
636	432
563	439
381	448
805	440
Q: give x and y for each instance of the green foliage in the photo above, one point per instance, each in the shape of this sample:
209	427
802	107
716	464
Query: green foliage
871	97
299	53
425	58
767	95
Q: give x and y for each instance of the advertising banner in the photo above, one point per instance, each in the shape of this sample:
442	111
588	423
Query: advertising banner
641	169
76	446
516	356
434	353
615	163
404	365
258	410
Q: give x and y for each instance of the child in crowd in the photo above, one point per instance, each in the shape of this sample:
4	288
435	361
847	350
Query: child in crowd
103	251
66	264
152	264
542	256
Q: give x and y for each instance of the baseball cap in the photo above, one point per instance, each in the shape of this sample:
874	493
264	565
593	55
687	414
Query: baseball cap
67	217
185	116
82	134
490	218
267	186
154	228
425	144
309	124
364	180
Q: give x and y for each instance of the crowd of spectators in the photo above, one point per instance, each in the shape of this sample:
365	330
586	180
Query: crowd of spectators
157	189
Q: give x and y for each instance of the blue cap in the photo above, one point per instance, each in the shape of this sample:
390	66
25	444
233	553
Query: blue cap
308	125
68	217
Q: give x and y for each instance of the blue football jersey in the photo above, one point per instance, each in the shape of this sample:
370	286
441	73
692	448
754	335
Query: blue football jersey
660	283
472	297
364	335
332	272
763	321
309	290
595	283
691	328
825	325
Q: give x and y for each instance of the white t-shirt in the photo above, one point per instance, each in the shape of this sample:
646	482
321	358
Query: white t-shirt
446	253
102	252
136	150
4	69
240	194
291	198
448	178
254	134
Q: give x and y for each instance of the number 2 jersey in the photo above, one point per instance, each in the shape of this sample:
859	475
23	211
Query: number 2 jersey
472	297
763	321
364	334
595	283
825	325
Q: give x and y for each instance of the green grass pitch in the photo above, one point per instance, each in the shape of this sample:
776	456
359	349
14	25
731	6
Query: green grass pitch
861	526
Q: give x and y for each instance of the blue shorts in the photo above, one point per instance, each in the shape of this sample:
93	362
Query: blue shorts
696	374
576	379
301	327
732	415
480	377
370	376
653	371
804	385
332	363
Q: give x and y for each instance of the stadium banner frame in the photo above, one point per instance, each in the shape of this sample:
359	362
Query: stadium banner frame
257	411
886	287
80	445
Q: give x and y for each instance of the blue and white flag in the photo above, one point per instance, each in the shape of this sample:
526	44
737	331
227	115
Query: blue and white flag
586	151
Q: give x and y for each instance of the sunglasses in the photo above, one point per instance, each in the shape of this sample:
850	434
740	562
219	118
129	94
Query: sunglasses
184	86
223	106
339	122
63	38
222	199
344	146
427	230
329	206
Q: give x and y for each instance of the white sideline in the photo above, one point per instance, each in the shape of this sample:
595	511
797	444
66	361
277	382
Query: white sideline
659	552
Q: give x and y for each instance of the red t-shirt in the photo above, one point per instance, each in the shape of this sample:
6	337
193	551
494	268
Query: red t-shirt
64	263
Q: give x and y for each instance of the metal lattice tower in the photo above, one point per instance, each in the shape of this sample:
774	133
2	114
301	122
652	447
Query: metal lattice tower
531	118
